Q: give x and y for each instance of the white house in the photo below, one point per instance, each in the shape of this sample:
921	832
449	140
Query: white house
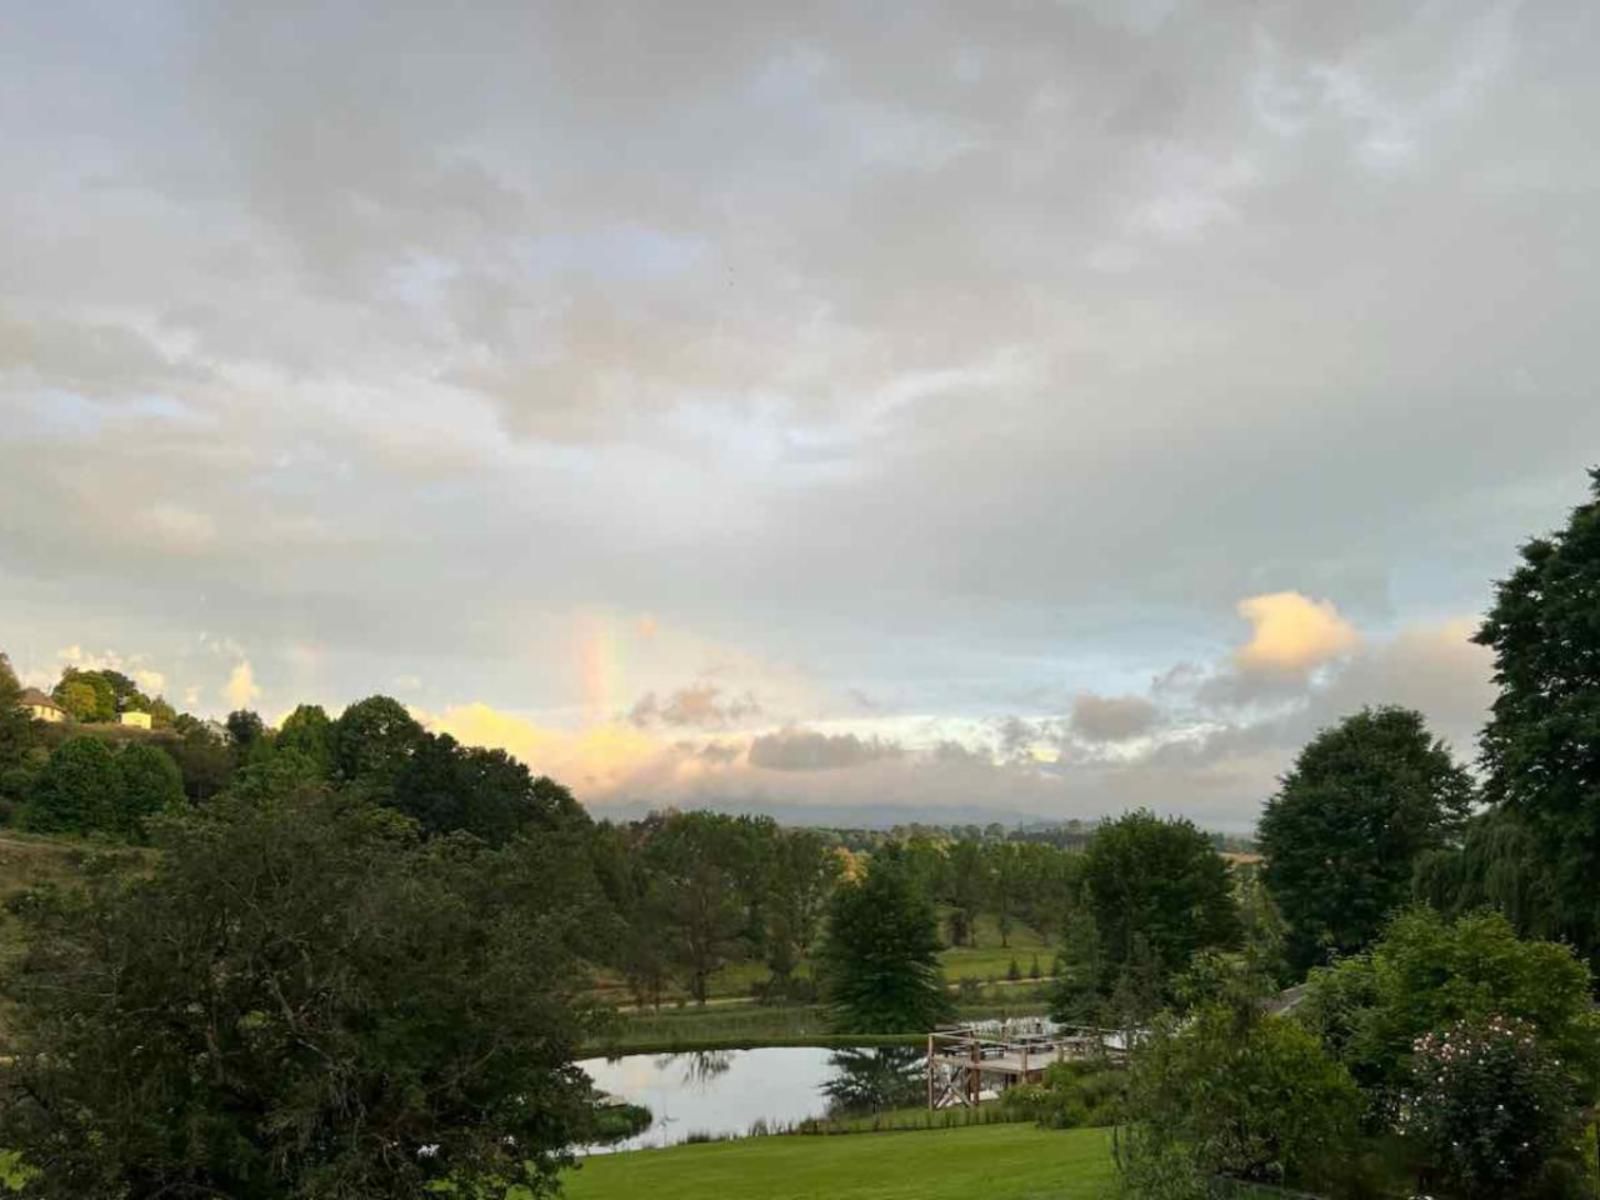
40	707
137	720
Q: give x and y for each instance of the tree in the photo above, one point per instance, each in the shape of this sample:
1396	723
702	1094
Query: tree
804	872
448	787
1343	834
245	730
87	696
1236	1093
308	731
1157	883
966	884
16	727
1003	874
299	999
1427	972
1541	747
880	957
694	892
78	791
150	783
1075	997
373	740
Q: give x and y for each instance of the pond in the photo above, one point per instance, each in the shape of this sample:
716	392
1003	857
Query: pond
722	1093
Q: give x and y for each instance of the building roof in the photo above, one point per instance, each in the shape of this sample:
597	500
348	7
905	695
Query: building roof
34	698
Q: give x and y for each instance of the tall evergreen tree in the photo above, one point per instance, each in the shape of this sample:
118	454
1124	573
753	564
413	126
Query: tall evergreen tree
880	959
1342	836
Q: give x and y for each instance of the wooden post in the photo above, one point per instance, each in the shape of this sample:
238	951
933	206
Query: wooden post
930	1072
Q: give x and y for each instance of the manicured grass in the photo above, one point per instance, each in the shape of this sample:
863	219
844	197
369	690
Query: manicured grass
995	1162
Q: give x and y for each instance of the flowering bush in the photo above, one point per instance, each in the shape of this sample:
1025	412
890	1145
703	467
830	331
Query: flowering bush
1488	1103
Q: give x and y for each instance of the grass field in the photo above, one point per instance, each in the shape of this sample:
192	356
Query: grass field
995	1162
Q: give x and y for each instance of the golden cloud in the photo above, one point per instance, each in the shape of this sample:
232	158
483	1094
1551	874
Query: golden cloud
1292	634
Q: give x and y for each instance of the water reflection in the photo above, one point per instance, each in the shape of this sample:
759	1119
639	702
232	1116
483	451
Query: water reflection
871	1081
700	1067
724	1093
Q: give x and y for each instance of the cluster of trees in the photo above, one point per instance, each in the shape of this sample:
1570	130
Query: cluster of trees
103	695
1449	925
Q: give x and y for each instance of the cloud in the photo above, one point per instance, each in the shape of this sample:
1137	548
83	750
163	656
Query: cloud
1111	718
810	750
1292	634
696	706
241	691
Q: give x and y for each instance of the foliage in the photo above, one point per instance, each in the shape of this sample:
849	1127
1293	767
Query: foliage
1428	972
300	1000
880	957
1075	997
1233	1092
245	728
307	731
1489	1105
448	787
1157	890
87	696
150	783
1541	747
373	740
16	727
1363	800
78	791
1072	1095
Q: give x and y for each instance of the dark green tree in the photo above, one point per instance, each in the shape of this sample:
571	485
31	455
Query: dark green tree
692	859
245	730
308	731
373	740
78	791
16	727
1232	1092
298	1000
1541	747
448	787
1363	801
151	783
880	956
1158	884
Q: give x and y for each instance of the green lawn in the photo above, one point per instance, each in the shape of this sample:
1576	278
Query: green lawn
994	1162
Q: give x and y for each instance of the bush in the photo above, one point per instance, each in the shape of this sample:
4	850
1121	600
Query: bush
1232	1092
1489	1104
1071	1096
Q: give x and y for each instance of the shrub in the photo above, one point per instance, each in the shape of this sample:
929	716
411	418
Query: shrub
1489	1104
1233	1092
1071	1096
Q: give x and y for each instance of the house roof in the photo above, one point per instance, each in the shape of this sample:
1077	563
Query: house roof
34	698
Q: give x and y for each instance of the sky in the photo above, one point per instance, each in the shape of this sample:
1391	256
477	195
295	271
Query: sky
859	413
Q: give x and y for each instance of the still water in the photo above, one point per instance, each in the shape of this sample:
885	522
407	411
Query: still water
723	1093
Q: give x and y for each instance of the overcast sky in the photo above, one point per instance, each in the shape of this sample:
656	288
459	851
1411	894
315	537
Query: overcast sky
877	410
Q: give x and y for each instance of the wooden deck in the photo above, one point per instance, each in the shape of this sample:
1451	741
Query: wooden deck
970	1063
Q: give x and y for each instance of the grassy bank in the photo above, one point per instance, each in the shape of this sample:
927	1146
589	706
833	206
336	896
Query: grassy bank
996	1162
739	1026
